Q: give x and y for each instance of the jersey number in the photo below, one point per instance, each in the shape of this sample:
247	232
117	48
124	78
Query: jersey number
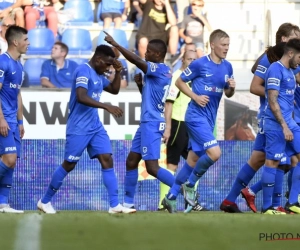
166	89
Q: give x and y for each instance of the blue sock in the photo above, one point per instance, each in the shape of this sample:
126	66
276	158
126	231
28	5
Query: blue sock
5	186
131	179
295	188
3	169
203	163
165	177
255	188
277	193
56	182
181	178
245	174
111	184
290	175
268	182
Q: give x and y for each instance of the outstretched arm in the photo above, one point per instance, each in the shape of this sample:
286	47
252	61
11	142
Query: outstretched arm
130	56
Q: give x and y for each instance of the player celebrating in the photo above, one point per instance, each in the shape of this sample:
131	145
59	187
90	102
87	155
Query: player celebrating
84	129
147	140
11	110
281	130
211	75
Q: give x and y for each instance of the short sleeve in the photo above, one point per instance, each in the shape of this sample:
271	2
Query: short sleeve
273	78
82	78
45	73
3	68
191	72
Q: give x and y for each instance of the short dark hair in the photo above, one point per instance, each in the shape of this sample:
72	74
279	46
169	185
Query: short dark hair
292	44
160	46
63	46
14	32
104	50
274	53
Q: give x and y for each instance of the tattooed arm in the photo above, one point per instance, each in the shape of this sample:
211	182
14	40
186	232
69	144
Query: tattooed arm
275	108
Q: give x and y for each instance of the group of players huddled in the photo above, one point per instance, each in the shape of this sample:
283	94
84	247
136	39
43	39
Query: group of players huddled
274	80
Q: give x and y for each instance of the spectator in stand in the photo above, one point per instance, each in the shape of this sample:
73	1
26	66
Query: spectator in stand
157	14
57	72
139	12
40	10
116	11
124	72
182	9
192	26
6	23
12	8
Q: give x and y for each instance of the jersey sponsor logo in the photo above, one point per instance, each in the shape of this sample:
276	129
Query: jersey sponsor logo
9	149
187	71
209	143
1	73
74	158
153	67
261	69
290	91
82	79
96	95
273	81
213	89
14	85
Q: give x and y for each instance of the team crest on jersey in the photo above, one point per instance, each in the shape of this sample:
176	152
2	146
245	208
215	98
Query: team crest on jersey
273	81
82	79
153	67
187	71
1	73
145	150
261	69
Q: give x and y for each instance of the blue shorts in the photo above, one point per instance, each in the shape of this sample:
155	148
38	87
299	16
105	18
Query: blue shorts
147	140
276	145
285	160
11	144
260	142
97	143
201	136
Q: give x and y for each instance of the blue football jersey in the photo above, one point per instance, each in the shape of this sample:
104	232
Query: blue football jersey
156	85
83	119
11	77
261	71
282	79
297	104
208	78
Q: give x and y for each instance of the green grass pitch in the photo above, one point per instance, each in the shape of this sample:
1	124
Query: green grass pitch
74	230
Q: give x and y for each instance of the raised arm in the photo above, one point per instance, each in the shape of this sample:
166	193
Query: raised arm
130	56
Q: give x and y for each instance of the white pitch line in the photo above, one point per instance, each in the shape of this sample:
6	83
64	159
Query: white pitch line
28	233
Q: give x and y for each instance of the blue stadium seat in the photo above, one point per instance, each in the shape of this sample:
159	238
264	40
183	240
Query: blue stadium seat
117	34
41	41
83	12
79	61
100	22
78	40
33	68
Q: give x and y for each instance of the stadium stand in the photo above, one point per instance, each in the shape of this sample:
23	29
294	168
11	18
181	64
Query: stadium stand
118	35
41	41
83	12
33	68
78	40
